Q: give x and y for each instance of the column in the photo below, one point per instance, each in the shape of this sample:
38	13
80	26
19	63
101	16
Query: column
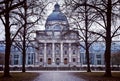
53	53
61	47
70	53
78	55
36	57
36	54
44	53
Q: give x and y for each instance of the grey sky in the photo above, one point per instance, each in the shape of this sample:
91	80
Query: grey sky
50	8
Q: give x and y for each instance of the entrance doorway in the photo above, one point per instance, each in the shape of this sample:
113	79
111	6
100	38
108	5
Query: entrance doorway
65	61
57	61
49	60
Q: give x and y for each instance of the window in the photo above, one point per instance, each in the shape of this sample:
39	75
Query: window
74	60
99	62
57	52
98	56
16	56
73	51
16	62
49	60
41	59
49	52
41	51
65	51
30	58
16	59
73	35
57	61
65	61
57	34
29	62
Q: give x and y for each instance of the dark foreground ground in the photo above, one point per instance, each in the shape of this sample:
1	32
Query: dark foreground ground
98	76
60	76
19	76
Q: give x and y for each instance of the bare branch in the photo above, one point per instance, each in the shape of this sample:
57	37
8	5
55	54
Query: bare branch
12	7
113	35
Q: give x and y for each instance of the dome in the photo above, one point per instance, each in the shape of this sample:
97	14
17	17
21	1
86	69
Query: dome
56	18
56	15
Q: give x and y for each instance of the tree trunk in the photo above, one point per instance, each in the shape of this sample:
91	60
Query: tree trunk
7	52
108	41
24	37
88	60
86	39
107	60
7	43
24	60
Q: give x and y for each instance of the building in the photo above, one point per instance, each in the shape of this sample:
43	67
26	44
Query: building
57	45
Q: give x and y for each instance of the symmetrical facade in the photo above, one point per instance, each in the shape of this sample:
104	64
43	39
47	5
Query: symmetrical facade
57	45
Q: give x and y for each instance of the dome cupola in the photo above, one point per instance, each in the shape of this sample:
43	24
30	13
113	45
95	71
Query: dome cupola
56	18
57	7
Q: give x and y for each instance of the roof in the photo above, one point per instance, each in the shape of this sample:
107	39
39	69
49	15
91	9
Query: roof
57	20
57	15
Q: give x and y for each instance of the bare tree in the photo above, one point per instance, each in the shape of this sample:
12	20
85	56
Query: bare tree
31	9
83	18
11	7
6	7
107	11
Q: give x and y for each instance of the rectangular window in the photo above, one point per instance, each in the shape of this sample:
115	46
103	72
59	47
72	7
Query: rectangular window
98	56
41	51
57	52
66	52
99	62
16	59
73	51
30	58
16	62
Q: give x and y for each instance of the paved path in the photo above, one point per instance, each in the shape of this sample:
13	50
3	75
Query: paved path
57	76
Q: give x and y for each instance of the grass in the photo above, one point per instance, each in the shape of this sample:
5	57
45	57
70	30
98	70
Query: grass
19	76
98	76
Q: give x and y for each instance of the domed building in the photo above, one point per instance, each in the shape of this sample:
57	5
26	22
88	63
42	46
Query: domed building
57	45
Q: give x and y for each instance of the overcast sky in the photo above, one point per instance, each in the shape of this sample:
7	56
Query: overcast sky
50	8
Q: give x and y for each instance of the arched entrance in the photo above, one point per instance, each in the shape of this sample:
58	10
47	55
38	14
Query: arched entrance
65	61
57	61
49	60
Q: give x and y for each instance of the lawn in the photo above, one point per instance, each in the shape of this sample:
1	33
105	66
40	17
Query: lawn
98	76
19	76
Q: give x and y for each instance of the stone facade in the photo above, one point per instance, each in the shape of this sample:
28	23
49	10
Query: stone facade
57	45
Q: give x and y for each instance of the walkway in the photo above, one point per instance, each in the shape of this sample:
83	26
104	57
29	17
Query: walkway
57	76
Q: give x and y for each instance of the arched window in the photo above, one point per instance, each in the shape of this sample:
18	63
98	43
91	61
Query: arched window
49	60
65	61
